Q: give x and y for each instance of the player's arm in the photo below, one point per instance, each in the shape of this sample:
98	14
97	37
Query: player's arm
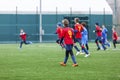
63	34
56	32
116	36
106	31
75	30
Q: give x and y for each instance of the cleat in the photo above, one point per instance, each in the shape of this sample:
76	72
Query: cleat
101	48
62	64
87	55
77	53
82	53
98	48
105	49
30	42
75	65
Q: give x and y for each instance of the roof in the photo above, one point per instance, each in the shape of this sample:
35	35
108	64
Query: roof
50	6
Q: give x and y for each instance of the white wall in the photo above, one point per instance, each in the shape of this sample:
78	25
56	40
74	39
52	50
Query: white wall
49	6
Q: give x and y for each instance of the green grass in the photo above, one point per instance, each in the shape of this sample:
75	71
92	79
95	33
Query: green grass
41	62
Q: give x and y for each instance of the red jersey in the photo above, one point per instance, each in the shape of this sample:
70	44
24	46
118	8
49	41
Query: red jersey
98	31
78	27
114	36
23	35
68	35
59	31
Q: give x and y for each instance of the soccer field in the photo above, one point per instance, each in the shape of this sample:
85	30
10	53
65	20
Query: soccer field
41	62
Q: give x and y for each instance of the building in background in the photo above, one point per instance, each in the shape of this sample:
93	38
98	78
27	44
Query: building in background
18	14
115	6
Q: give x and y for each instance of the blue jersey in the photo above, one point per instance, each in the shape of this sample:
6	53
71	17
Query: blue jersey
84	36
104	32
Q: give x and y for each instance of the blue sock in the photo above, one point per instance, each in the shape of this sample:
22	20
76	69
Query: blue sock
76	48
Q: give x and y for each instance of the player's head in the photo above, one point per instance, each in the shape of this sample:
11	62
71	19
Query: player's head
21	30
103	26
76	20
113	28
96	24
59	24
65	22
84	24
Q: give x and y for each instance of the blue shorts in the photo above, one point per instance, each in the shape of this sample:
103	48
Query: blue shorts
69	47
84	42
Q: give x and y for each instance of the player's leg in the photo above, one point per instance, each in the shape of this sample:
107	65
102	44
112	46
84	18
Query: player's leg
79	41
75	46
58	41
107	43
62	44
27	42
21	43
103	41
85	50
87	47
66	56
96	41
100	41
114	43
65	59
73	57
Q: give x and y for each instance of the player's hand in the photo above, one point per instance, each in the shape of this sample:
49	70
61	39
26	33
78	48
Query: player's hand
93	30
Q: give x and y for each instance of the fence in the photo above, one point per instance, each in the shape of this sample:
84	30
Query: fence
11	23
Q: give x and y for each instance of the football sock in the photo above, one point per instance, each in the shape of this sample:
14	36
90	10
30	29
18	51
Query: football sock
76	48
97	45
85	50
87	47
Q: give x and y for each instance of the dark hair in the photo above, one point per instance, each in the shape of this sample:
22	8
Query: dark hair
77	19
84	24
97	23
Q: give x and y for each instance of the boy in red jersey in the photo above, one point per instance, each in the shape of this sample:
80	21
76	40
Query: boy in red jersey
77	30
23	36
114	37
99	37
68	40
59	32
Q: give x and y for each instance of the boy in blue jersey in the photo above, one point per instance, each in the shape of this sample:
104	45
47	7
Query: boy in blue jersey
84	40
104	36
